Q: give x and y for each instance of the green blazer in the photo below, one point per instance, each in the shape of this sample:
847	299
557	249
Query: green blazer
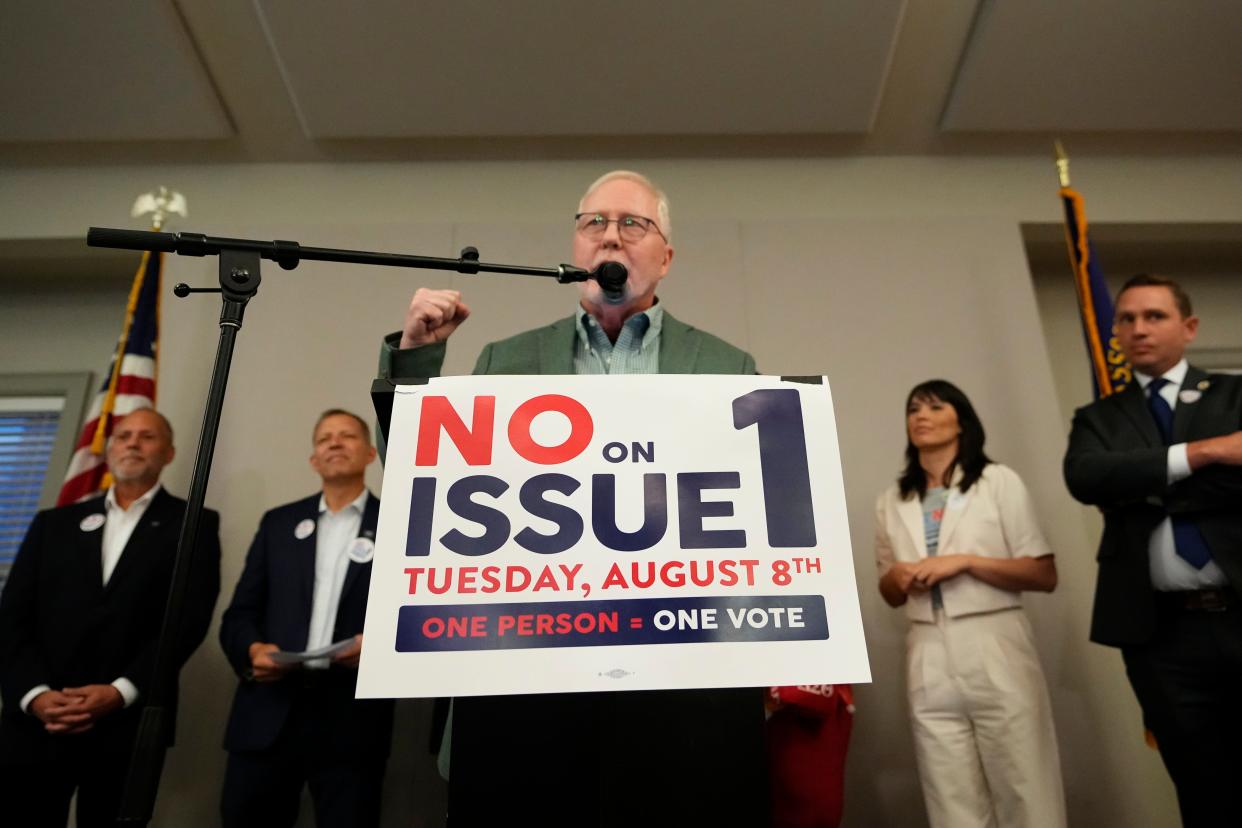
550	350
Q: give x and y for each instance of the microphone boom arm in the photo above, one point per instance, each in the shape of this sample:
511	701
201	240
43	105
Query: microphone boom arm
289	254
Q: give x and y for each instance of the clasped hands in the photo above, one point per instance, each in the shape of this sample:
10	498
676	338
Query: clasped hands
75	709
918	578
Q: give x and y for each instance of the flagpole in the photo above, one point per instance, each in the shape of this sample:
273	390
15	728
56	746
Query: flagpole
1109	371
133	367
1062	163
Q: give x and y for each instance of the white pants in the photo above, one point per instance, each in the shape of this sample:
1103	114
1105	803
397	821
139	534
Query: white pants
983	732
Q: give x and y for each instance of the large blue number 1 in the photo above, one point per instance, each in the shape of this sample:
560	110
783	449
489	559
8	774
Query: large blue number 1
782	458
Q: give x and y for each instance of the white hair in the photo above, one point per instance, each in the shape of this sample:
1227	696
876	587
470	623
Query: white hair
661	217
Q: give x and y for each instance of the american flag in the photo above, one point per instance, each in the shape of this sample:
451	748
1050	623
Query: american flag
130	383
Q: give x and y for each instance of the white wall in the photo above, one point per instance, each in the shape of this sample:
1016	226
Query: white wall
877	272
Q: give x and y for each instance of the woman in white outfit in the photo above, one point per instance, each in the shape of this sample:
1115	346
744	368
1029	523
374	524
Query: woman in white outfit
956	542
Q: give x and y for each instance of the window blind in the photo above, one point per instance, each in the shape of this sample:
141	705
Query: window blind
28	427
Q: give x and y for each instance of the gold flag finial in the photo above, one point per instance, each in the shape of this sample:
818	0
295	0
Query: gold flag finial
1062	163
159	204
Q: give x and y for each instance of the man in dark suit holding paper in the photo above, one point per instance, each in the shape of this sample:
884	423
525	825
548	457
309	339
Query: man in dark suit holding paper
295	721
80	620
641	758
1163	461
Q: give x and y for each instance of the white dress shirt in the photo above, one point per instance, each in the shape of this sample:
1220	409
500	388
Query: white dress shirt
1169	572
334	534
118	527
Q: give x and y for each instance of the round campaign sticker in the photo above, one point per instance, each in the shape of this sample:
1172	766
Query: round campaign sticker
304	529
1189	395
91	522
362	550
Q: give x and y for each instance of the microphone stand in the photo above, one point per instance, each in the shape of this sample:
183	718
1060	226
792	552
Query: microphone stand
239	282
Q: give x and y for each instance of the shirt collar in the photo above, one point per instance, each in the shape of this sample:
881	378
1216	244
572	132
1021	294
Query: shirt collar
654	316
1175	375
358	504
142	500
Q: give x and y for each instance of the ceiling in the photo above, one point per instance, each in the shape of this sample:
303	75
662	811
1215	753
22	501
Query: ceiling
85	82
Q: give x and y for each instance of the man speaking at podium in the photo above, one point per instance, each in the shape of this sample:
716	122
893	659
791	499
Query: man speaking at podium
685	757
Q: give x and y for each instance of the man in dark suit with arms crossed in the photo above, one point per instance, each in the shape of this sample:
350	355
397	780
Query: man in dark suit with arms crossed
80	620
1163	461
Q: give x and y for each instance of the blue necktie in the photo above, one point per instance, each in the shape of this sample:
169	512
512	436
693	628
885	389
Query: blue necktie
1160	409
1187	540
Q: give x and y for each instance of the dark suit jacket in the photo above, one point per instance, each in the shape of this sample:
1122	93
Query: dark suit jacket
1116	461
60	626
272	603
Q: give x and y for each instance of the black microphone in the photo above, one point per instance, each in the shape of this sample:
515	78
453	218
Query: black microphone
611	277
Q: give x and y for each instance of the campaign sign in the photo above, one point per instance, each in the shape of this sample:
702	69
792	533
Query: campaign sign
565	534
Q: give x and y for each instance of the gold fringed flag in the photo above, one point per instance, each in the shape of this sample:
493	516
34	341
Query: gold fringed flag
1110	372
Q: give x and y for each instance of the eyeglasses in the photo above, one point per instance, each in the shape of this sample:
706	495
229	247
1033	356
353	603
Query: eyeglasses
630	228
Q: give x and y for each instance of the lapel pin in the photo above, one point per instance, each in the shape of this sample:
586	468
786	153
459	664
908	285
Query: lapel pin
1203	385
304	529
91	522
1189	395
362	550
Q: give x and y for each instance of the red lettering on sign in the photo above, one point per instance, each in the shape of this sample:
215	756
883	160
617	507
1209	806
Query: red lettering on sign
474	443
581	429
